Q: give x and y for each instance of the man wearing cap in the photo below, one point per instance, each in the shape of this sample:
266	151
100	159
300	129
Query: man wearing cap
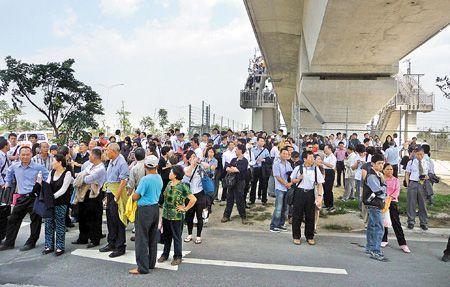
147	216
53	149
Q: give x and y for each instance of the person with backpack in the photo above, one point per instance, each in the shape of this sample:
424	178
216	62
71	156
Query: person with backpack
305	178
373	197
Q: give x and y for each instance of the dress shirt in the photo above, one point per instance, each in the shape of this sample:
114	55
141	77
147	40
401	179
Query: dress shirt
413	168
256	155
96	174
136	174
47	163
329	159
392	155
117	170
309	175
340	154
280	169
4	164
227	156
25	175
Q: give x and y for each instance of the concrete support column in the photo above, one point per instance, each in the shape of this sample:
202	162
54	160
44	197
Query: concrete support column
410	125
264	120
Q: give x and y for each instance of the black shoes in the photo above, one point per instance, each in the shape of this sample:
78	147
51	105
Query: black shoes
410	226
27	247
446	257
424	227
133	238
116	254
78	242
47	251
106	248
92	245
59	252
6	247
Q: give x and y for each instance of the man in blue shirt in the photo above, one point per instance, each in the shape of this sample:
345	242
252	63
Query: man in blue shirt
116	180
281	171
147	216
26	173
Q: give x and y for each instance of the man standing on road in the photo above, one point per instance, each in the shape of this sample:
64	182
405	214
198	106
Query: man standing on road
43	157
26	173
374	195
147	216
116	180
329	164
416	178
281	170
13	153
5	205
392	156
259	155
340	154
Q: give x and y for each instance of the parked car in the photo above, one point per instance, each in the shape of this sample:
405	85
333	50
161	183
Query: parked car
24	137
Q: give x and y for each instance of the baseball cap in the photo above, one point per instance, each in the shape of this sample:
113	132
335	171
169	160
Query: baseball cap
151	161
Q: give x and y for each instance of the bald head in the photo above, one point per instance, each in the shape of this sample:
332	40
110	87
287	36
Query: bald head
113	151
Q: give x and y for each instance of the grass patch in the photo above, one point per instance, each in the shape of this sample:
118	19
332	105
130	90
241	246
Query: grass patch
441	203
339	210
347	205
337	227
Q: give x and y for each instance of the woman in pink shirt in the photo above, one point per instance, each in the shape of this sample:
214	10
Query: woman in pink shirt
393	190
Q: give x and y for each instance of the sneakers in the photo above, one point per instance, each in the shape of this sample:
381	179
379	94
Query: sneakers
283	229
384	244
410	226
378	257
424	227
405	248
331	209
275	230
205	213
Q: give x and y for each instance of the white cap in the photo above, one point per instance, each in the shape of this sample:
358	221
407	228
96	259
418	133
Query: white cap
151	161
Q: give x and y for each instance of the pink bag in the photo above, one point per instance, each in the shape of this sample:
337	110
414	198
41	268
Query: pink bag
14	199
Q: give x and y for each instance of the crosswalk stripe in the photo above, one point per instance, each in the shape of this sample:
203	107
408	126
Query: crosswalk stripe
128	258
265	266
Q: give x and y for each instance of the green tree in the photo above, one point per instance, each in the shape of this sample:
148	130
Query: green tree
124	119
53	90
25	125
176	125
163	118
444	85
9	117
43	125
147	124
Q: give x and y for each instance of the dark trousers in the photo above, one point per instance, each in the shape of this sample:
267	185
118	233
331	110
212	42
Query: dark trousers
146	224
24	205
447	251
161	196
172	230
395	168
5	211
90	218
116	228
248	180
217	179
340	168
262	186
328	188
303	209
236	194
396	225
197	209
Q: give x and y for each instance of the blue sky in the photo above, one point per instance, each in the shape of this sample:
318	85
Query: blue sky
168	53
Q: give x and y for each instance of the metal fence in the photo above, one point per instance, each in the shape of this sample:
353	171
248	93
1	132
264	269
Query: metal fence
203	119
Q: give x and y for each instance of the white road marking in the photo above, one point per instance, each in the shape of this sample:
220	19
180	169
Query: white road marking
265	266
128	258
23	224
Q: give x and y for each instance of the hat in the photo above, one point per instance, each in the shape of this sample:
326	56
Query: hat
53	147
151	161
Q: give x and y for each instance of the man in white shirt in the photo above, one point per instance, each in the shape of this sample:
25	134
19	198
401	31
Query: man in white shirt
13	153
204	142
416	176
215	136
179	143
227	156
329	164
196	148
306	177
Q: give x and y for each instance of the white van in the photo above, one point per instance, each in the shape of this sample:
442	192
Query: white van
24	137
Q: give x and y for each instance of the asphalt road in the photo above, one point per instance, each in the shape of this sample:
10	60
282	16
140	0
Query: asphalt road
250	251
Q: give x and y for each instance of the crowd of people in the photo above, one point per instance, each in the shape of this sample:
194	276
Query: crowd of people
163	182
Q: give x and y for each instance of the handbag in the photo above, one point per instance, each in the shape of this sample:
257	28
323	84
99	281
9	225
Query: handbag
291	191
208	185
6	196
230	180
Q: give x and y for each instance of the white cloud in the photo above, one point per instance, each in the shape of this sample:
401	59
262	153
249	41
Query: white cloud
63	27
172	63
119	8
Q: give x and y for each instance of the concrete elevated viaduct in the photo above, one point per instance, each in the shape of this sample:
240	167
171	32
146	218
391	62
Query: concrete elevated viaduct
336	58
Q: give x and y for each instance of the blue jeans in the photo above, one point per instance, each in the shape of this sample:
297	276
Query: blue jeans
375	230
358	194
280	212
